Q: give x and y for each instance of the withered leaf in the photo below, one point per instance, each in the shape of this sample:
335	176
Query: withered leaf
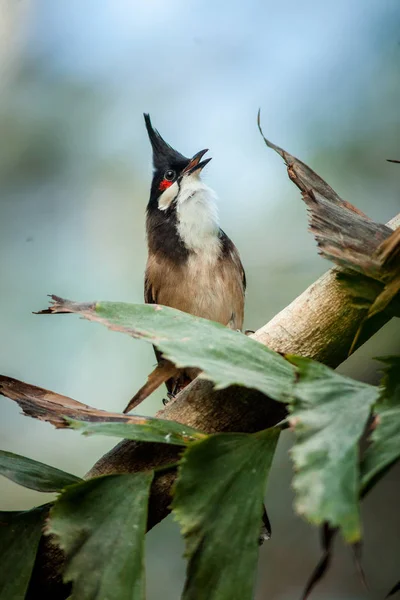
62	411
344	234
347	237
388	300
328	534
57	409
163	371
327	538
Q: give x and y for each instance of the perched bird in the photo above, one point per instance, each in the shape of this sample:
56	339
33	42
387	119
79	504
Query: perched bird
192	264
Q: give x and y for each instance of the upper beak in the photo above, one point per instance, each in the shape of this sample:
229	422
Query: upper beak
195	164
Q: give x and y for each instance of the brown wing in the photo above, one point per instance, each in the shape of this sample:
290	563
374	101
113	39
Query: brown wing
237	280
216	294
239	265
230	248
149	292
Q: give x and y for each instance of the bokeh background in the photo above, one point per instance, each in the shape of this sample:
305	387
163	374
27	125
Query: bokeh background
75	168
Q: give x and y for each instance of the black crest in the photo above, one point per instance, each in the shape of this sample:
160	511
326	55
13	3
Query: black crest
163	154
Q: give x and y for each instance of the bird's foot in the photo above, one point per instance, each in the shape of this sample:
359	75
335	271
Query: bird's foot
248	331
170	396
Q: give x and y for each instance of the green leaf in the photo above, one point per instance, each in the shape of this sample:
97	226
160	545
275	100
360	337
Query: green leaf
152	430
33	474
328	414
226	357
385	446
218	501
20	532
100	524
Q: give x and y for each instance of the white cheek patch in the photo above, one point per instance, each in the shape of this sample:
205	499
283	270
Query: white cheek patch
168	196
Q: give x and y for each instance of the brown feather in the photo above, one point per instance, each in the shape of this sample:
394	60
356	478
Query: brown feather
212	291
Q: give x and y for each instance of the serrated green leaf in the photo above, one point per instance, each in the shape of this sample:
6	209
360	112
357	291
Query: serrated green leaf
33	474
218	501
226	357
152	430
385	445
328	414
100	524
20	532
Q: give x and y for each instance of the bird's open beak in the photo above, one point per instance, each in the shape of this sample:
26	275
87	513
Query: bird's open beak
195	164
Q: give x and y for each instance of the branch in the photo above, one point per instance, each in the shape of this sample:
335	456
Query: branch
320	324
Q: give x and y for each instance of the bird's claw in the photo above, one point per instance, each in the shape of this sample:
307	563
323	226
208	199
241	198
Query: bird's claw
170	396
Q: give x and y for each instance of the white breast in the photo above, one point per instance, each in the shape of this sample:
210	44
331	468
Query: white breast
197	218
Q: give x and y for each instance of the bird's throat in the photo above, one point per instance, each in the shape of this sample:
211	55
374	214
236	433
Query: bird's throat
197	222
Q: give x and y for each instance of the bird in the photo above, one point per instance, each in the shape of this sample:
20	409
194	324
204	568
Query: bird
192	265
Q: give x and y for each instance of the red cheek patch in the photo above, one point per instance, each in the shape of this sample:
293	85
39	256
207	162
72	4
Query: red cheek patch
165	184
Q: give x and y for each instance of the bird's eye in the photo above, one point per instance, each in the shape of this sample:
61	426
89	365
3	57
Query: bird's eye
169	175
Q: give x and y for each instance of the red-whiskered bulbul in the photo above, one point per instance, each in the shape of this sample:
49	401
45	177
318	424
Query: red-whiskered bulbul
192	264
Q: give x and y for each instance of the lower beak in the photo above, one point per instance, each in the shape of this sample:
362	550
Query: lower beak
195	164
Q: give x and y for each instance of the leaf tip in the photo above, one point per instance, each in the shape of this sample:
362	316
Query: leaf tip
293	422
56	303
63	305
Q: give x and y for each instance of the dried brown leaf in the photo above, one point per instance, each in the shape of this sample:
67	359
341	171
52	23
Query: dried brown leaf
306	179
62	411
327	538
388	252
344	234
163	371
388	300
56	409
347	237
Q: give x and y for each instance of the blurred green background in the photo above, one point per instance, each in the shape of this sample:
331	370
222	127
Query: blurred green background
75	169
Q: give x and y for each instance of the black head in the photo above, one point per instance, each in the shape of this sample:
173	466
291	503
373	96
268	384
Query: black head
163	153
169	164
